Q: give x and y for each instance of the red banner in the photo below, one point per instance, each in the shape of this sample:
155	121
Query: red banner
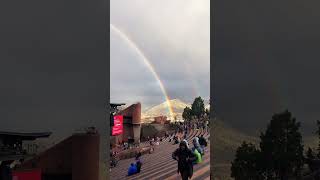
118	125
33	174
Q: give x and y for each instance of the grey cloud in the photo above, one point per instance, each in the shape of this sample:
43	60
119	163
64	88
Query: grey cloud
266	60
53	66
174	35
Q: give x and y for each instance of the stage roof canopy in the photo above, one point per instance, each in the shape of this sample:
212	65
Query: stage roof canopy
24	136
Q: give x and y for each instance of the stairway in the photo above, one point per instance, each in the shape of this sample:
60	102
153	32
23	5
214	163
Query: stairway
160	165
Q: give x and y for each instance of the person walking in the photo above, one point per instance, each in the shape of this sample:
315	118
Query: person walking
186	141
207	126
185	135
113	160
151	145
185	158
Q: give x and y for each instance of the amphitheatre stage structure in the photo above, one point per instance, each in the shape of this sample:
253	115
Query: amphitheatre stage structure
131	125
74	158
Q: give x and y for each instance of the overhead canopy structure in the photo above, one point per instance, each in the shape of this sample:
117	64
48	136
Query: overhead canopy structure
13	157
24	136
11	144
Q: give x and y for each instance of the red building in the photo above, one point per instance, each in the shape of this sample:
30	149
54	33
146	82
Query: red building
131	125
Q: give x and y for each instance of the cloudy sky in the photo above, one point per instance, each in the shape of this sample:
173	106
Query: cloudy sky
52	66
266	60
174	36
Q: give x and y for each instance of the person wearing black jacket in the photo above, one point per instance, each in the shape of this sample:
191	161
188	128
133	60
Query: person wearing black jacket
185	157
202	141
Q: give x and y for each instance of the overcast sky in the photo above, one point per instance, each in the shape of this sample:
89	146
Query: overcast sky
52	65
266	60
174	36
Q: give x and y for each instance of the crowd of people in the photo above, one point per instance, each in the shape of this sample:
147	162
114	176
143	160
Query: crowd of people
186	156
196	124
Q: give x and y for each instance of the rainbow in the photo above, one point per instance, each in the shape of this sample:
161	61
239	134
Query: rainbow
195	90
135	47
273	87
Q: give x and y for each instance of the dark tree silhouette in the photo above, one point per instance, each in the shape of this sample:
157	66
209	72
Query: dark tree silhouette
281	147
310	154
309	157
318	133
244	167
280	155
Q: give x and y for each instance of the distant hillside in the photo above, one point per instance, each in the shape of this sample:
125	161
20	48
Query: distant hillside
162	110
226	140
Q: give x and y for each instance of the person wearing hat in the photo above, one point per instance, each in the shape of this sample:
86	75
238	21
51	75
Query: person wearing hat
185	157
196	145
186	141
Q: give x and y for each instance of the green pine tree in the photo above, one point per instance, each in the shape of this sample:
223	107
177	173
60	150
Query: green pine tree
197	107
187	114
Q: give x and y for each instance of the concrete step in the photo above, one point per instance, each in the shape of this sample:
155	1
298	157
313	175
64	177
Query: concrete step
160	165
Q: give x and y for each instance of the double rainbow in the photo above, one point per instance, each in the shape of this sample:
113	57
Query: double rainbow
147	62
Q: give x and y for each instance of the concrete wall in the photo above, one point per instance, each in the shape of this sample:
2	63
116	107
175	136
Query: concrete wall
56	160
85	157
77	155
136	132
